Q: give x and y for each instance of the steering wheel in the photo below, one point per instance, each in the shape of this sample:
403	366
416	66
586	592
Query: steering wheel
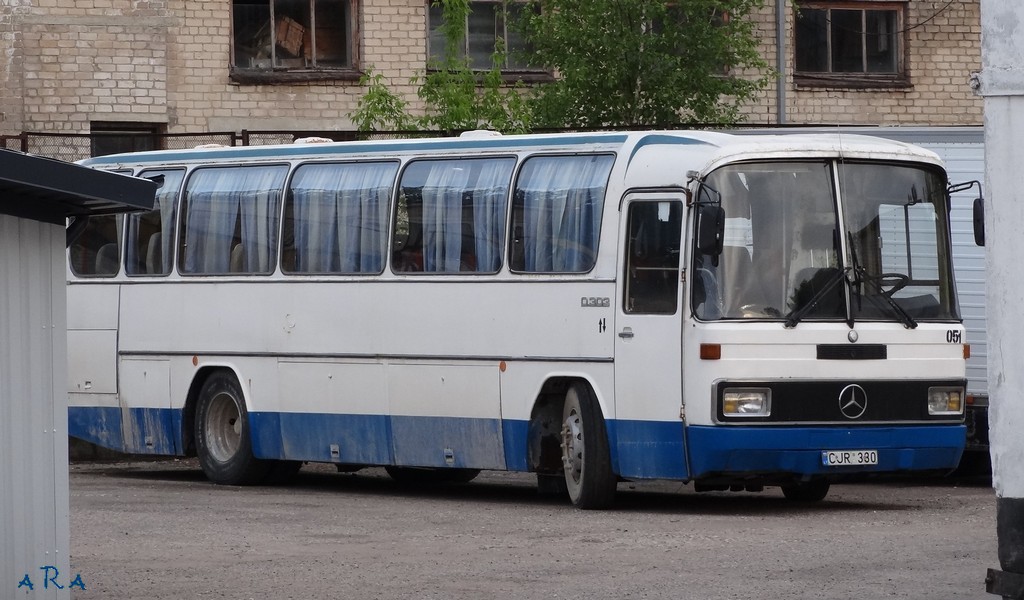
760	311
897	281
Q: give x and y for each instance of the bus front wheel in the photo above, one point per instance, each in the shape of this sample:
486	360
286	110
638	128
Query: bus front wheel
222	435
586	459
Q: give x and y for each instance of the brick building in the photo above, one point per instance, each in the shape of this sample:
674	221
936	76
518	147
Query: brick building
170	66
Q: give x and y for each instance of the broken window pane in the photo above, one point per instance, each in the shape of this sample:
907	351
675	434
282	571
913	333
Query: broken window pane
292	34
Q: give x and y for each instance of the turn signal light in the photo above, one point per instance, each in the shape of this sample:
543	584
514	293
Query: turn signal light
710	351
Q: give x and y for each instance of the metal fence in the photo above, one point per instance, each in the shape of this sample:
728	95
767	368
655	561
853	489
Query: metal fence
77	146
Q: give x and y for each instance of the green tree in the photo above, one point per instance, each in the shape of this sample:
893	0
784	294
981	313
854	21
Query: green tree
380	108
644	62
456	97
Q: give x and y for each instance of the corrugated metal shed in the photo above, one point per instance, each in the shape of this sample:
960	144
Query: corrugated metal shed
48	190
36	197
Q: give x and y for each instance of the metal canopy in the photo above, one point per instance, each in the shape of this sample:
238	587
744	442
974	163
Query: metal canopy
49	190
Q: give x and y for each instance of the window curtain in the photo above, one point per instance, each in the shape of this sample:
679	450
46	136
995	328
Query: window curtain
489	202
450	189
340	215
224	201
166	203
442	216
562	198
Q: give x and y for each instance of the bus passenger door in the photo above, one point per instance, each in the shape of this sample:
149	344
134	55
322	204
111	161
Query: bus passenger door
649	431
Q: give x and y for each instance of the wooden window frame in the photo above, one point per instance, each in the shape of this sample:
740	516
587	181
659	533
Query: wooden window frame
279	74
509	74
862	79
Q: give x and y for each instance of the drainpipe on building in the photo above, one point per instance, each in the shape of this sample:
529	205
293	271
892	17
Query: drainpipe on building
1001	84
780	61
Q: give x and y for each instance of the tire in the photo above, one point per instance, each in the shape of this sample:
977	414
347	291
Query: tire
430	476
814	490
223	441
586	459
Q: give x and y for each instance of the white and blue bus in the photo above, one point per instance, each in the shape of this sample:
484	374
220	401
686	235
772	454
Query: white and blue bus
732	311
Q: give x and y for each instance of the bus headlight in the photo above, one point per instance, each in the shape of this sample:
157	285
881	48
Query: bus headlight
746	402
945	401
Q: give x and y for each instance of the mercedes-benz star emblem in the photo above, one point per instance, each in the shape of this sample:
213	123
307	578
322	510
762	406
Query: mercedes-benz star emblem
853	401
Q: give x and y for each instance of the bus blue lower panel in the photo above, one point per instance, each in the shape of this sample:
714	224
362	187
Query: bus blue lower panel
799	449
96	425
147	430
379	440
648	449
639	449
350	439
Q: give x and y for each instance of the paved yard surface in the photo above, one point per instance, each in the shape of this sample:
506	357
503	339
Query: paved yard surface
160	530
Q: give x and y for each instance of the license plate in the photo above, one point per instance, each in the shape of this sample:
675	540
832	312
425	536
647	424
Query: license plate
848	458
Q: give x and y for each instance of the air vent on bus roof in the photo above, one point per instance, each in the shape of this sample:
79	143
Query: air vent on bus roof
480	133
313	140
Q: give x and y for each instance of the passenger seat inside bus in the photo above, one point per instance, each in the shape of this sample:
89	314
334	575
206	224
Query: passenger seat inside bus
154	255
237	259
106	259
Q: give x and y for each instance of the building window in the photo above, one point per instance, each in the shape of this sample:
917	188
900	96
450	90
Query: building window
285	41
486	24
850	44
116	138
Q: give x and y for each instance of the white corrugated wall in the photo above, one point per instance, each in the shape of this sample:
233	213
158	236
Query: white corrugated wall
965	161
34	497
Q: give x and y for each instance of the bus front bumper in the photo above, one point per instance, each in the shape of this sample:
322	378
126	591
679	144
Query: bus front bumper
749	451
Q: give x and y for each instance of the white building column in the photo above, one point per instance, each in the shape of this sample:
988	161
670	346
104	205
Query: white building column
1001	83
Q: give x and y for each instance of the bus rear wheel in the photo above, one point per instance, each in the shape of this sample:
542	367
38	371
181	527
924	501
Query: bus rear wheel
223	442
586	459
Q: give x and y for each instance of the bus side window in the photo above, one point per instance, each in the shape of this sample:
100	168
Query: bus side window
225	207
556	213
336	216
96	252
451	215
150	235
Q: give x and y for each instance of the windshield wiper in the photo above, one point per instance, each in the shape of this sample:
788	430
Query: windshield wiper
861	275
796	315
876	282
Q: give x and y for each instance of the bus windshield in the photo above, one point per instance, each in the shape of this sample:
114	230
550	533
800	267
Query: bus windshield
788	256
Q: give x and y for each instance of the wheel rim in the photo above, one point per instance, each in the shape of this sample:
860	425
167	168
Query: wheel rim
223	428
572	445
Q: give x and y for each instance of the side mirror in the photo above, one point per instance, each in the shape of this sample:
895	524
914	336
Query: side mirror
979	221
710	229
